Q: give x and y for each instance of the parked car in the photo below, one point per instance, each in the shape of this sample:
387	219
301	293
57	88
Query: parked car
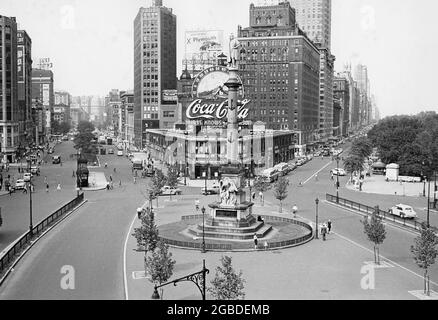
56	159
283	168
35	170
111	151
166	191
27	176
20	184
339	172
120	153
403	211
212	190
271	174
292	166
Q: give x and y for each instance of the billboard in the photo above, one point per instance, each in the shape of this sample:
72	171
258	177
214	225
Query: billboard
46	95
20	63
170	95
202	48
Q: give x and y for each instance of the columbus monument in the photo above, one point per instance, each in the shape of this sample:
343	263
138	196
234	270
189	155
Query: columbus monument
231	218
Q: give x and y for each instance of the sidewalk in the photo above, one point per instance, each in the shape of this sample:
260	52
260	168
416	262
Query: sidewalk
326	270
97	181
377	185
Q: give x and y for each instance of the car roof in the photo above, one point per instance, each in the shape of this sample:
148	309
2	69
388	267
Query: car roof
404	206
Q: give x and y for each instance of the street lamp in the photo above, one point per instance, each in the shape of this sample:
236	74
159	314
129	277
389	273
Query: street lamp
337	179
316	229
29	164
185	157
198	278
203	230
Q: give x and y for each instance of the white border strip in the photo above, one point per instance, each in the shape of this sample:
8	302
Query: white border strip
125	280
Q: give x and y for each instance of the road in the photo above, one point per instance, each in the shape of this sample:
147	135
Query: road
92	239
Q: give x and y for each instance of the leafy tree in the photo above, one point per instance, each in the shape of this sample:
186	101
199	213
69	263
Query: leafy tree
425	252
172	176
85	126
227	284
375	231
157	182
64	127
147	234
84	141
261	184
160	265
280	190
362	148
352	164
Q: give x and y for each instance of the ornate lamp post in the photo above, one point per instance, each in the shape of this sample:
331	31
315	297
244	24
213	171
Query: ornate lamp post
316	229
29	165
203	230
337	179
198	278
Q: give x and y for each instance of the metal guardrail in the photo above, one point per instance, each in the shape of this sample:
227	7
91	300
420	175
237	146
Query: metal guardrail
415	224
26	238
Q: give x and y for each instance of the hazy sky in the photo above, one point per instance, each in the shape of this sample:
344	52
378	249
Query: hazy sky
90	42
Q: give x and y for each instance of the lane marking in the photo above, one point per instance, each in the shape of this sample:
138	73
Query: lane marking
125	280
383	257
328	164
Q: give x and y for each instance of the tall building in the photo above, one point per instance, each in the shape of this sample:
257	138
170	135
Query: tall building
154	69
43	91
280	72
341	95
326	111
61	110
127	99
9	113
315	18
24	78
361	77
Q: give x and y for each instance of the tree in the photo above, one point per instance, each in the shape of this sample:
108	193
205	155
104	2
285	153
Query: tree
280	190
147	234
227	284
64	127
84	141
375	231
362	148
261	184
157	182
160	265
425	252
353	164
85	126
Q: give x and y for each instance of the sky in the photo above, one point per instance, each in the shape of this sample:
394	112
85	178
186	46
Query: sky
90	42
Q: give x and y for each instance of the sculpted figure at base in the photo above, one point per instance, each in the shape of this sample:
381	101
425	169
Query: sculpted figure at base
228	192
234	51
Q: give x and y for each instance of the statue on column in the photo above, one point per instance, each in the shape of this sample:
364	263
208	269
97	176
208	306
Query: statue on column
234	52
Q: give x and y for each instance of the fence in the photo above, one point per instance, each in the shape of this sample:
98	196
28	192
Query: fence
25	239
368	210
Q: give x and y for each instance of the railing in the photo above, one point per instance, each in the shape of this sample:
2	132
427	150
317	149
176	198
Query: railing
195	245
415	224
25	239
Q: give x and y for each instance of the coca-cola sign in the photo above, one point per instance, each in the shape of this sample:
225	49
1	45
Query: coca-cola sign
201	109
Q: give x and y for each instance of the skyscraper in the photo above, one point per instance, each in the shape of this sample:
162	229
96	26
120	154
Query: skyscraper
43	91
280	72
24	78
154	69
315	18
9	121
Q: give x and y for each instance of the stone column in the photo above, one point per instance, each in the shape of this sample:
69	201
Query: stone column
233	85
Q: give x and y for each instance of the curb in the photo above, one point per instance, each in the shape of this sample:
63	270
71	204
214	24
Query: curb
37	239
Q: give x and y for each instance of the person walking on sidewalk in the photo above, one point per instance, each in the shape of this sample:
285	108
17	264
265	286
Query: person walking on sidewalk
256	241
73	175
25	189
58	187
329	226
324	232
47	187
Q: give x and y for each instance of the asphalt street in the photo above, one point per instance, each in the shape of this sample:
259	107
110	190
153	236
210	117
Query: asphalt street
91	240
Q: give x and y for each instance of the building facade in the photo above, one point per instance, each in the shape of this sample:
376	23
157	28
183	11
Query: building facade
9	113
326	75
280	71
43	92
127	106
61	109
154	69
341	93
315	18
24	78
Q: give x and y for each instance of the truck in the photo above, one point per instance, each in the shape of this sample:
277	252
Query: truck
137	164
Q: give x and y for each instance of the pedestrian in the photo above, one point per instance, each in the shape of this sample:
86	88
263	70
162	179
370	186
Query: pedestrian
107	186
329	226
256	241
111	185
331	176
47	187
324	231
73	174
135	180
25	189
120	183
261	196
10	190
58	187
19	170
32	188
295	210
111	178
316	177
266	245
45	179
114	170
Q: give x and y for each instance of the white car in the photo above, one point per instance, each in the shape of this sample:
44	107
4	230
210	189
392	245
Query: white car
27	176
20	184
166	191
120	153
403	211
339	172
